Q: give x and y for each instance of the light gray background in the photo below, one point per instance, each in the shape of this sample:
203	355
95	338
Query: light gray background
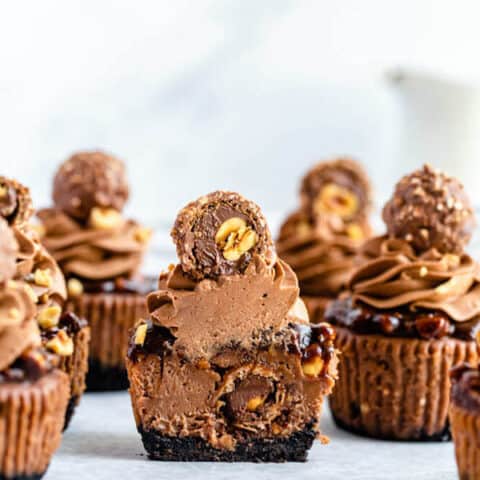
102	443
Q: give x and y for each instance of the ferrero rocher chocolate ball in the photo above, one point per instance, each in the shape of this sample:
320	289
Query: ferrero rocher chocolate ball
337	188
87	180
15	202
8	252
219	234
429	210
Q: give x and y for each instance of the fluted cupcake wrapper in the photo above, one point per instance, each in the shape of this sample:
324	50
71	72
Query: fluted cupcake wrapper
110	316
465	427
396	388
31	421
76	366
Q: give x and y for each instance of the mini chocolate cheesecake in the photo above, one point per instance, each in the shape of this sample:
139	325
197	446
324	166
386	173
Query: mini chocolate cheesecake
412	312
100	253
225	366
465	419
33	391
321	239
63	333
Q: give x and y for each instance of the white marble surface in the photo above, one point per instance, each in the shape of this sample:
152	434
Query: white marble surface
102	443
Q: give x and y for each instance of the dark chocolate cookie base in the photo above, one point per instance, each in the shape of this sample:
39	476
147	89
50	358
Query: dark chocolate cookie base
35	476
194	449
72	404
102	378
443	436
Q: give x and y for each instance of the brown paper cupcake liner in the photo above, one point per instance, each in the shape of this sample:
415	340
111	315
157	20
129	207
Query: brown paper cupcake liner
396	388
31	422
110	316
465	427
76	366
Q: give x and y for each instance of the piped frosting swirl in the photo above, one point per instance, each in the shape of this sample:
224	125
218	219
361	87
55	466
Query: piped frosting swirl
394	276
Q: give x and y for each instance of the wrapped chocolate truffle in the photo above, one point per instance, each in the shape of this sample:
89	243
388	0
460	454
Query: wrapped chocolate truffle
321	240
225	366
100	253
411	313
33	392
63	333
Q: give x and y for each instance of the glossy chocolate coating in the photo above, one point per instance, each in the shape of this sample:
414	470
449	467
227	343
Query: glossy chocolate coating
399	323
196	227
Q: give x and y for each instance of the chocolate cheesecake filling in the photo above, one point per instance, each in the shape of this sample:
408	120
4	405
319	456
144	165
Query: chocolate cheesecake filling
226	358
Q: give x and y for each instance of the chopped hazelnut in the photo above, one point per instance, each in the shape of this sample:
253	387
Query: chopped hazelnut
140	334
74	287
337	200
235	238
355	232
61	344
313	366
255	403
42	277
142	234
105	218
49	316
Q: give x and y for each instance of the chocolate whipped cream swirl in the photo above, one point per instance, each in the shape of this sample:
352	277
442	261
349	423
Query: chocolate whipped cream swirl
323	263
18	328
395	277
91	253
261	299
33	257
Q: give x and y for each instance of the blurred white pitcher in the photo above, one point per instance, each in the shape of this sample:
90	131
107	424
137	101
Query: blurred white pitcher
439	123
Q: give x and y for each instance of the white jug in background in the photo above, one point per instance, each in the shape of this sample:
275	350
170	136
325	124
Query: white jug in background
439	123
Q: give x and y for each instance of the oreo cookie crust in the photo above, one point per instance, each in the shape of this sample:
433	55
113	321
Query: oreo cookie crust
293	448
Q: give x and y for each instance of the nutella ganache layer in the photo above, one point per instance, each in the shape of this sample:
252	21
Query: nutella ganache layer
411	313
321	239
33	393
226	367
100	253
44	280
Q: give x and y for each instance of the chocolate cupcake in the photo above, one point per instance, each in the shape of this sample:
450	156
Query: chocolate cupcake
63	333
320	241
99	252
411	314
465	419
226	367
33	392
